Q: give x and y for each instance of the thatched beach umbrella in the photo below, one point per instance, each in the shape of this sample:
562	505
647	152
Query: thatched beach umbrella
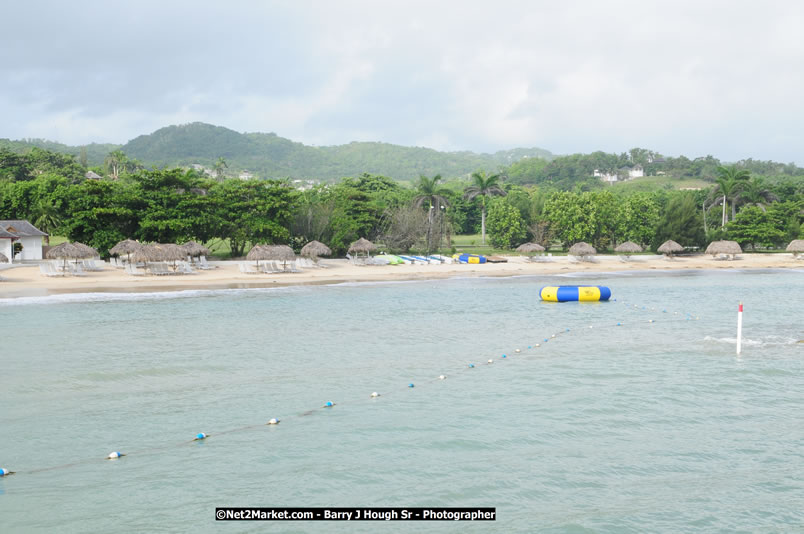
362	245
88	251
628	248
529	249
670	247
314	249
65	251
796	246
146	253
3	258
723	247
195	250
582	249
127	247
258	253
281	253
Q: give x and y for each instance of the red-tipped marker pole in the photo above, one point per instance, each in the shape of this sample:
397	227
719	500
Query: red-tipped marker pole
740	328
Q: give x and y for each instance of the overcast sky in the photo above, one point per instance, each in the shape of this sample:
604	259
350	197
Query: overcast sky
679	77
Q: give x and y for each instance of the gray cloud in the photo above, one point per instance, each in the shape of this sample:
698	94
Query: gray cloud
681	77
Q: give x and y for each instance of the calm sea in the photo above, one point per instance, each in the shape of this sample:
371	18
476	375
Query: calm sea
642	427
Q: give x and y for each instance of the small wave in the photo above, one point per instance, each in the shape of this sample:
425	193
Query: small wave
767	341
70	298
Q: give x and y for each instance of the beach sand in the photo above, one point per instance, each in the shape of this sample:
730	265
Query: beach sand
26	280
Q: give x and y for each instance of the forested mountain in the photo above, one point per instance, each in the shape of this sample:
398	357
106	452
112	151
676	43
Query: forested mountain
268	155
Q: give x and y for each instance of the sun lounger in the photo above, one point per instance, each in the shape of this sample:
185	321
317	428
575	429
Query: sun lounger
185	268
46	269
76	269
203	265
246	268
132	270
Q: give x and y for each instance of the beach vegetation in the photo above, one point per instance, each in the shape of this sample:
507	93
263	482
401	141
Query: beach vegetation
483	186
507	229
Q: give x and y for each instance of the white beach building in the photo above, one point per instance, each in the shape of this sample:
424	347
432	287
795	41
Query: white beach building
23	232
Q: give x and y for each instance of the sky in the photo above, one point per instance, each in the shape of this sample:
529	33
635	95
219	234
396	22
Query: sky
679	77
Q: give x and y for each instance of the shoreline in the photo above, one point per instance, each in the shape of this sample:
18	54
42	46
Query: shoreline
26	280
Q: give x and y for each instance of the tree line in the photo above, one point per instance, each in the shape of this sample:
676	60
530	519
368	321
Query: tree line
176	205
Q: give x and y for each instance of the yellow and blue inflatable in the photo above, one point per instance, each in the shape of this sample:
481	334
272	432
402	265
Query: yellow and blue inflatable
469	258
575	293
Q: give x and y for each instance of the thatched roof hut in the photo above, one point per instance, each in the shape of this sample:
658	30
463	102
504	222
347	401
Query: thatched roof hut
796	246
146	253
127	246
171	252
723	247
530	247
88	251
313	249
582	249
629	247
281	253
195	249
66	251
362	245
3	258
670	247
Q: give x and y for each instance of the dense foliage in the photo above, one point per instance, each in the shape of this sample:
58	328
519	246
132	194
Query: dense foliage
176	205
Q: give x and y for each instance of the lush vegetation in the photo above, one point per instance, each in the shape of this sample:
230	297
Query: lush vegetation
271	156
175	205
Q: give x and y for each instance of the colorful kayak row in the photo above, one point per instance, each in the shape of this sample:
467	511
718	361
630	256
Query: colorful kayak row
575	293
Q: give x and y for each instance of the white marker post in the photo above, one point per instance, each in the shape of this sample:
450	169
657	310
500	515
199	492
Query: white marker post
740	328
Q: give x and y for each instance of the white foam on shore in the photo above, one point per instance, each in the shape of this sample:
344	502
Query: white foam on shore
70	298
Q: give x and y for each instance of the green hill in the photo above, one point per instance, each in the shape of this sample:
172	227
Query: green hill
269	155
96	152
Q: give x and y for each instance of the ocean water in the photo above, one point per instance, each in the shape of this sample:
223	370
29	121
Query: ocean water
654	425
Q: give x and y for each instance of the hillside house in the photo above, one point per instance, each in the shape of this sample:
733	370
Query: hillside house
23	232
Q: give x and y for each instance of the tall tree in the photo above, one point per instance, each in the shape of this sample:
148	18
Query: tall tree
115	163
484	186
755	193
46	217
220	164
429	193
730	180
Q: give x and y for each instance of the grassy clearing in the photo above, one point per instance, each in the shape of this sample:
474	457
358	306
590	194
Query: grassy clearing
652	183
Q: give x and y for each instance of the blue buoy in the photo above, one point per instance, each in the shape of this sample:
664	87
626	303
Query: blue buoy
530	347
273	421
545	340
200	436
410	385
114	455
329	404
471	365
5	472
664	311
504	356
619	324
567	330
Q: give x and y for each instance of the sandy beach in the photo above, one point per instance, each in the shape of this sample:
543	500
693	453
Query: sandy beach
26	280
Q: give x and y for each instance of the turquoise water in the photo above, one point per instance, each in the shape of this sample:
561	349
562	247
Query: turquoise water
644	427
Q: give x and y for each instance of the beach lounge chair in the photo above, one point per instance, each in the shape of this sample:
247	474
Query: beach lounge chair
76	269
246	268
46	269
185	268
203	265
132	270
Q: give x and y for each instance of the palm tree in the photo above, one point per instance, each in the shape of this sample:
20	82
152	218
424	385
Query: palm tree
730	180
219	166
116	162
46	218
435	197
484	186
756	193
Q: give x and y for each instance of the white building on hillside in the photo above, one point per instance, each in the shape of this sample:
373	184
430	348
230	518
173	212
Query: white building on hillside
625	173
23	232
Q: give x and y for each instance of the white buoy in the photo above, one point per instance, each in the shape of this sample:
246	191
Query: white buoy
114	455
538	345
740	328
375	394
490	360
553	335
442	377
517	350
273	421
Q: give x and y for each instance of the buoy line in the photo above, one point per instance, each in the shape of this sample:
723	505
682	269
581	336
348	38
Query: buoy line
201	436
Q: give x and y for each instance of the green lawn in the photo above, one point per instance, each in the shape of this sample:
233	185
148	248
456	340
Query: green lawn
652	183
